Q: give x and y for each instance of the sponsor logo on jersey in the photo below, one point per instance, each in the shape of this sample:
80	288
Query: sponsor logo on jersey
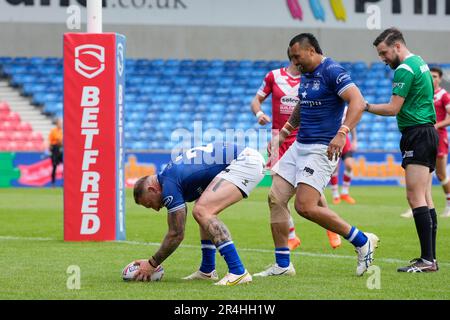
316	85
424	68
167	201
286	109
290	101
342	77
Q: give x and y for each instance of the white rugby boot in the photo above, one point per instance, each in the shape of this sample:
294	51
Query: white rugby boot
446	213
198	275
276	270
366	253
407	214
231	279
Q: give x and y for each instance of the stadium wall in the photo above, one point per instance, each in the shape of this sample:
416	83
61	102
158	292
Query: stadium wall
33	169
198	42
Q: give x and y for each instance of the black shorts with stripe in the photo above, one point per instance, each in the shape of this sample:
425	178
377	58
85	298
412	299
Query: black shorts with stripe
419	145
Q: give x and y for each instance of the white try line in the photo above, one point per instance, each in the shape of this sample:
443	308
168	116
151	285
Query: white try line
189	246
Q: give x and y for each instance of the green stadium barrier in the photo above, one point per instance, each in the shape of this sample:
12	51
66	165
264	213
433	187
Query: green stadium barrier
7	170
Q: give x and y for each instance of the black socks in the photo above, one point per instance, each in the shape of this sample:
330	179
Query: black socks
424	226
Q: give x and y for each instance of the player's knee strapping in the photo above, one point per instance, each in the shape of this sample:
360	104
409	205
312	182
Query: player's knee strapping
278	204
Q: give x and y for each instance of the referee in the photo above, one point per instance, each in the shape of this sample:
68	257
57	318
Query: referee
412	104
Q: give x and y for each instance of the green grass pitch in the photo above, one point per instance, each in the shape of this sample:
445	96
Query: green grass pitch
34	258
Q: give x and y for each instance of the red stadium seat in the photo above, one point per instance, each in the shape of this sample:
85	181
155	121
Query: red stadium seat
12	146
6	126
38	146
4	136
33	146
24	127
30	146
4	116
4	108
13	117
19	136
35	136
3	145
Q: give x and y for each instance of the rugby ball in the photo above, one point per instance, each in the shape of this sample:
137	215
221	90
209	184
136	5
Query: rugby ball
130	270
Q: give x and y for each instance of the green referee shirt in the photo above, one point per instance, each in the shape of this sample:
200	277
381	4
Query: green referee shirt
413	81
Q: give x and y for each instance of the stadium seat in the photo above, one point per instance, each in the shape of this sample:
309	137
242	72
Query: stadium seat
162	92
4	108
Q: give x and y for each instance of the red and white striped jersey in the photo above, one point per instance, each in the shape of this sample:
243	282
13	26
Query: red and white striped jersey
284	89
441	103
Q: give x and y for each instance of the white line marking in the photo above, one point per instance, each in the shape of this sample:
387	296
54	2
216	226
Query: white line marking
189	246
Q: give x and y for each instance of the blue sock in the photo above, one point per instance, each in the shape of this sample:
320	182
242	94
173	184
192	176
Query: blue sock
208	256
356	237
283	256
229	253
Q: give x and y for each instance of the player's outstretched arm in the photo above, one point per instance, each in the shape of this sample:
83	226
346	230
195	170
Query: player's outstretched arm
175	235
386	109
294	119
261	117
355	109
446	122
173	238
292	124
356	105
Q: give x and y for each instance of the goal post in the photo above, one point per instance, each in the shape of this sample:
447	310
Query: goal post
94	87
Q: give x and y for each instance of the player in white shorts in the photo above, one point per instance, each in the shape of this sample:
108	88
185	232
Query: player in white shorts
215	176
324	90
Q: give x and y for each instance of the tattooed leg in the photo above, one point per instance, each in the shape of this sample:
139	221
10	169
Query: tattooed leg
217	231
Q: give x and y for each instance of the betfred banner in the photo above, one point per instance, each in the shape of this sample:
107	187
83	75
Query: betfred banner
93	137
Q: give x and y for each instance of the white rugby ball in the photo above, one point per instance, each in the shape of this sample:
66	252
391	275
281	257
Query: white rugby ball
130	270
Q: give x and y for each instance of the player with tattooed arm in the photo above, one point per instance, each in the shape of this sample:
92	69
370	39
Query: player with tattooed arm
215	176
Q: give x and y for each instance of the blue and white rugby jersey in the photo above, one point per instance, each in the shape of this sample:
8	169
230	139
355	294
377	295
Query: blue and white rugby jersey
185	179
321	105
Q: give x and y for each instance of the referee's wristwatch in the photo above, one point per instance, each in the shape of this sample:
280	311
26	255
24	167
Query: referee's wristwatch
367	106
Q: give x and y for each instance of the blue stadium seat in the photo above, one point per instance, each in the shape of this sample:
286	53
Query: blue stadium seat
245	73
136	107
175	98
381	99
223	91
202	63
162	95
362	146
217	63
277	64
231	64
261	64
375	146
52	108
172	63
391	146
247	64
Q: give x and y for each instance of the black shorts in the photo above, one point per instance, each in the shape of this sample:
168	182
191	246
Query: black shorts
419	145
56	155
348	154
